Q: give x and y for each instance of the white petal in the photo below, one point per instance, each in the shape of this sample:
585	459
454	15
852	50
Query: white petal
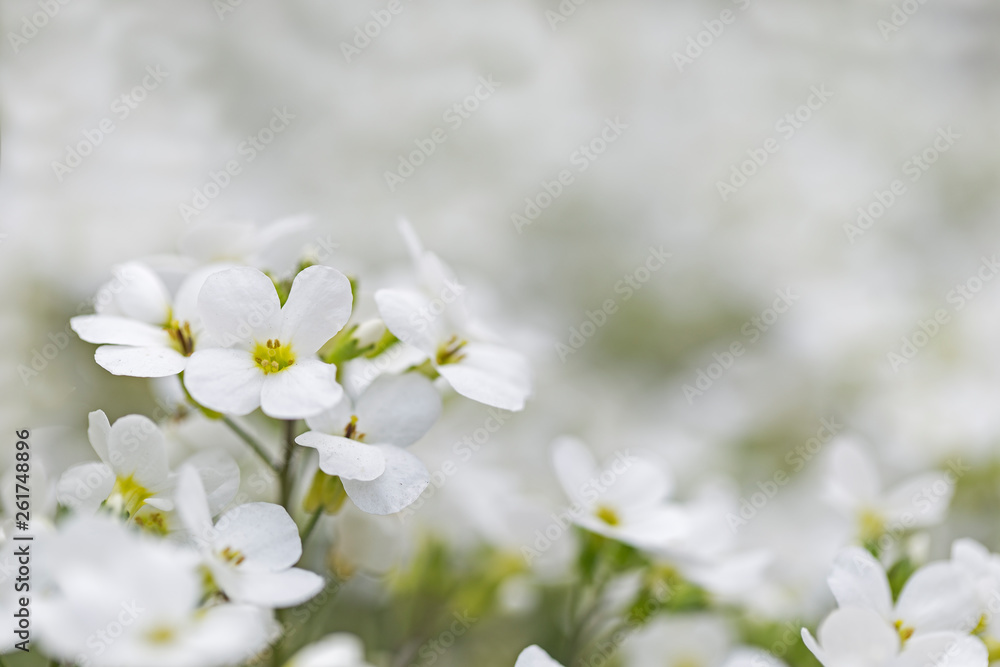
115	330
192	506
137	293
939	596
230	634
318	306
264	533
186	300
636	483
336	650
136	447
854	637
404	479
220	477
533	656
240	306
84	487
575	467
398	409
229	241
348	459
141	362
852	481
816	649
940	649
335	420
858	580
306	388
406	315
491	375
920	501
224	380
286	588
99	431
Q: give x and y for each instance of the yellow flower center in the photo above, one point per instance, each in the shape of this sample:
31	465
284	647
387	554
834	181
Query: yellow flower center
181	337
128	495
871	525
273	357
607	515
161	635
904	632
153	522
231	555
351	430
450	352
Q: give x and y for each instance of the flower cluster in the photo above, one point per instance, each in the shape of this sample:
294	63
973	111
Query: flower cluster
153	555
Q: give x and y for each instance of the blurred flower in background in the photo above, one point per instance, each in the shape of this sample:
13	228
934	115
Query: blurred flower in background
745	249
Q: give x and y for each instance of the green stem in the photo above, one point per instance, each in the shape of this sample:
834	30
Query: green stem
313	520
249	439
287	470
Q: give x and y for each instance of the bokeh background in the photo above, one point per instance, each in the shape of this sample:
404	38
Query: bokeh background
858	294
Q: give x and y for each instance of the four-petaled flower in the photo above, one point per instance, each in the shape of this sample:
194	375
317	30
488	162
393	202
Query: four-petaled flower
268	354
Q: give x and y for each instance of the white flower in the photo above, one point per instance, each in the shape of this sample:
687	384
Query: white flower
625	502
336	650
935	612
250	551
110	597
858	637
983	568
435	322
276	246
133	471
938	596
142	331
269	354
533	656
362	443
853	487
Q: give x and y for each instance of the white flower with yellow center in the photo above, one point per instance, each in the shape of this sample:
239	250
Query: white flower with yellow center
435	322
108	596
133	471
625	501
362	442
853	487
142	331
936	610
250	552
268	354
